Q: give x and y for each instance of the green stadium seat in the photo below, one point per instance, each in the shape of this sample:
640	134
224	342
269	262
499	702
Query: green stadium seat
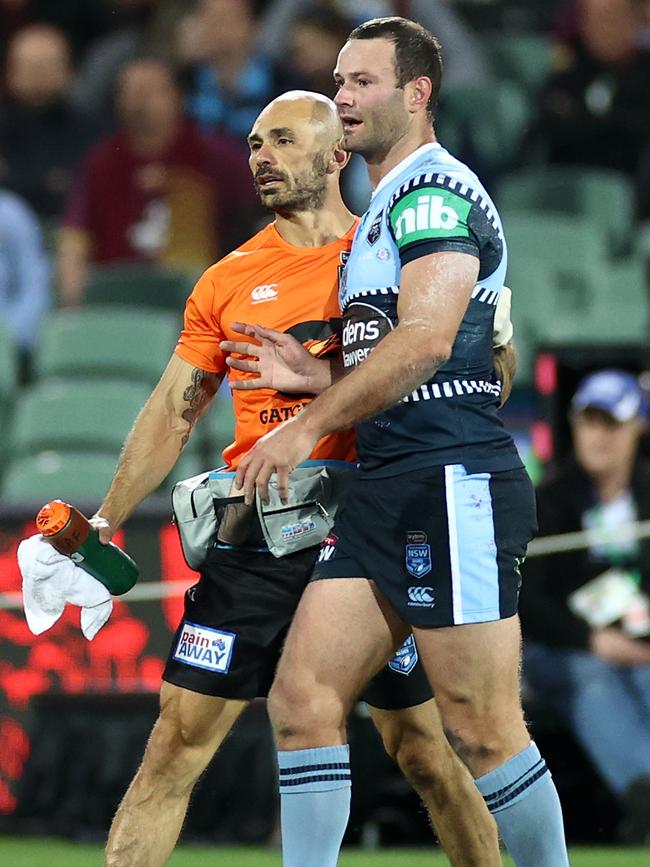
601	303
8	366
188	464
558	240
604	197
216	429
523	57
37	479
496	116
76	415
122	342
143	285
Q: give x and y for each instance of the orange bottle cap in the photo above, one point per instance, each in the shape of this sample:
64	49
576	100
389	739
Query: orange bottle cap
53	517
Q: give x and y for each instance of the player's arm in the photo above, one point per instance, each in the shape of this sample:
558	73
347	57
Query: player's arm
434	293
158	436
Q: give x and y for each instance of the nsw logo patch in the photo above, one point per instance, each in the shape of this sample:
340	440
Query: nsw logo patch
405	658
203	647
418	554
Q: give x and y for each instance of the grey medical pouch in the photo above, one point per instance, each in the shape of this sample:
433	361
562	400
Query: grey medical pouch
315	494
205	512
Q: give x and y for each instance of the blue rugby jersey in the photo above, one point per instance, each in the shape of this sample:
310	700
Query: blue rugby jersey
429	203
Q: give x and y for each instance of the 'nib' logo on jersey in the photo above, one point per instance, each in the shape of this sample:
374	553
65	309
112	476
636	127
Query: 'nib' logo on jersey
266	292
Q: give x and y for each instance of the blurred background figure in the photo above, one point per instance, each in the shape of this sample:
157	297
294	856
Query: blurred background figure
25	292
42	135
594	108
585	613
231	78
157	191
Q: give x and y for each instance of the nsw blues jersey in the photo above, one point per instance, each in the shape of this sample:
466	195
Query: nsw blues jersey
429	203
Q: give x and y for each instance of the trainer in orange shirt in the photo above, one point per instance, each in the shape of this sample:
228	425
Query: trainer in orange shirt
279	285
237	614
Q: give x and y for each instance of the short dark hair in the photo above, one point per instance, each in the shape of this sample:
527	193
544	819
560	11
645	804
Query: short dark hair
417	51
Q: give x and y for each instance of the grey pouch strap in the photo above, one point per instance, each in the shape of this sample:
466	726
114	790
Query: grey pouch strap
315	493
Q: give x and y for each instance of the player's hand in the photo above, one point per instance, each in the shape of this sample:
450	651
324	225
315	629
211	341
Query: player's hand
279	451
613	646
104	529
280	361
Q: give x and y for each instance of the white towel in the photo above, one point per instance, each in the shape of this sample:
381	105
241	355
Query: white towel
50	580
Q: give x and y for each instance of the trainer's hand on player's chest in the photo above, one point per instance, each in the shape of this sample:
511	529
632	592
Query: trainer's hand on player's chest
279	451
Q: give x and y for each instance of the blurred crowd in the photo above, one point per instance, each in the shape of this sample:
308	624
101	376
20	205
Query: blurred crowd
123	122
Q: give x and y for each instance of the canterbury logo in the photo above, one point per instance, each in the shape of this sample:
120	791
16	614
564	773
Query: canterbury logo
421	595
264	293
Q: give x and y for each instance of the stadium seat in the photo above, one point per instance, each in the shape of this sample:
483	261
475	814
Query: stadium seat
602	303
143	285
604	197
8	365
126	342
78	478
495	117
524	58
216	429
76	415
559	240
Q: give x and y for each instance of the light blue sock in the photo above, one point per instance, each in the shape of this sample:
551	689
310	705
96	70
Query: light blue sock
522	797
315	788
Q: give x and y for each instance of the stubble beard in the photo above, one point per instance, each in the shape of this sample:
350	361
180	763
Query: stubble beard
308	191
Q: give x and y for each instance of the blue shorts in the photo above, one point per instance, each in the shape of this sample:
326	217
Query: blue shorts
444	546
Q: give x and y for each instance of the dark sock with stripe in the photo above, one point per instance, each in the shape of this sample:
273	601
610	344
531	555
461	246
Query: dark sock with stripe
522	797
315	790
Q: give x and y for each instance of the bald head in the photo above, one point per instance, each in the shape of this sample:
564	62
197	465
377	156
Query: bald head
295	151
306	107
39	70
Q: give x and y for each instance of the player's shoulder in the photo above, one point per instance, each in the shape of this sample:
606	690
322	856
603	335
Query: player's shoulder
437	169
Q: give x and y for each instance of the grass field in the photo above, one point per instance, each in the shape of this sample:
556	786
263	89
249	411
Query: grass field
23	852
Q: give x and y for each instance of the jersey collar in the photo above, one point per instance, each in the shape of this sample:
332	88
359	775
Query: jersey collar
399	168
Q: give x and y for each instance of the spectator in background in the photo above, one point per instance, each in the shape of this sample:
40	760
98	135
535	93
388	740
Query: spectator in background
585	614
24	276
595	108
42	137
158	191
231	80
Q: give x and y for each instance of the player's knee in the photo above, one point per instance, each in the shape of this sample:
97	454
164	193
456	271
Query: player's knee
300	713
421	759
176	753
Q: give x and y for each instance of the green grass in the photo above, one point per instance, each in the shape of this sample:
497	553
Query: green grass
25	852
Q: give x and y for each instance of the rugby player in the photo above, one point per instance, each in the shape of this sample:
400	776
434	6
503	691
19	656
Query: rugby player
286	277
435	525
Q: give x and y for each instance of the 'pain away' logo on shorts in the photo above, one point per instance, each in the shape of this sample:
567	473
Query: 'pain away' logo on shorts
203	647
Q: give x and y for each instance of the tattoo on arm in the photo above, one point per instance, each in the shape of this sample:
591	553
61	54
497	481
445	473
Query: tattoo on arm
197	395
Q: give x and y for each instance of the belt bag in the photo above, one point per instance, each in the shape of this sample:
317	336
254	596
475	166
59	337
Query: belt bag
315	493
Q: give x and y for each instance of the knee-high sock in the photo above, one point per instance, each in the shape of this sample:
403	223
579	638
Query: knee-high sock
315	790
522	796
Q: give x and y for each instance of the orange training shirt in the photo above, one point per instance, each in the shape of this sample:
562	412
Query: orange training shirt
272	283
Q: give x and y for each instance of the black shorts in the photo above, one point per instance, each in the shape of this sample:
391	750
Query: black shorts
443	545
235	622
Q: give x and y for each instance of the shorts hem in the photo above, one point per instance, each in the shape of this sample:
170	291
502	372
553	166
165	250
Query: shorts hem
219	690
